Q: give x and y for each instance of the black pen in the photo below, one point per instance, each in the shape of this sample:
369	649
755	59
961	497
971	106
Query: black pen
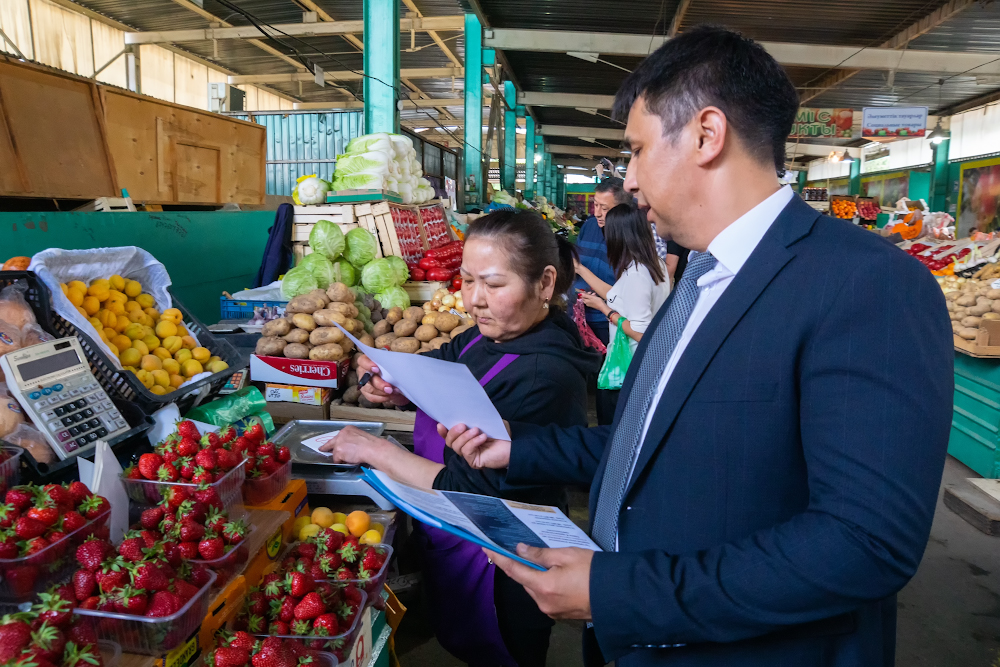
364	380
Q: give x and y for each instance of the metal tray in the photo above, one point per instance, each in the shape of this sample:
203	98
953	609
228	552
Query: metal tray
294	432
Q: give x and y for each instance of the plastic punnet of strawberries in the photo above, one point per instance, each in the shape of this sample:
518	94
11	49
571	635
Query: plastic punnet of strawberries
35	518
48	635
241	649
297	605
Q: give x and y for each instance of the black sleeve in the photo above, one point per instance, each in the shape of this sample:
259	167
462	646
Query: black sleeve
674	249
458	475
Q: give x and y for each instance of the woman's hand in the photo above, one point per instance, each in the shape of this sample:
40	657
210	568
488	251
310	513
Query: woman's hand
576	264
356	447
591	300
478	449
378	390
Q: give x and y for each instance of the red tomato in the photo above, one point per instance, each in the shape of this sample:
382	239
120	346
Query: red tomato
439	274
429	263
416	273
456	282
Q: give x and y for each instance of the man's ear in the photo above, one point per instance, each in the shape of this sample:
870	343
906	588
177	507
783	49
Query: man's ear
711	130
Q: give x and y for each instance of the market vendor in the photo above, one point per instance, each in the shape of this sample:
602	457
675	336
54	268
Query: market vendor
531	360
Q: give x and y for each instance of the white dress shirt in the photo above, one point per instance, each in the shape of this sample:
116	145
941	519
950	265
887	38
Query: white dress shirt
732	247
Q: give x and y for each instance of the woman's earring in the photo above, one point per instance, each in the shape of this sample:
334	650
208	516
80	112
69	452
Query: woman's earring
546	304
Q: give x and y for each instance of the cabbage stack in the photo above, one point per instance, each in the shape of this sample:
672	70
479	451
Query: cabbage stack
383	161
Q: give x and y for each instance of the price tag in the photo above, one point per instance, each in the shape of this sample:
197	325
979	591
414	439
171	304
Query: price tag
272	394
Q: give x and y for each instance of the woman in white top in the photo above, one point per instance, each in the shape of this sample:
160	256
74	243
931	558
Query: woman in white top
642	284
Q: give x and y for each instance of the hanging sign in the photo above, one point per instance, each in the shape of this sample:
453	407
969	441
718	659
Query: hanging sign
894	122
822	123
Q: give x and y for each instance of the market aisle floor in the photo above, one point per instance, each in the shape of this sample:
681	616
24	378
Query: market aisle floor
949	614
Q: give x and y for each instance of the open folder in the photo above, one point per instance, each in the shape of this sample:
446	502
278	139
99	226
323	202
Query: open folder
494	523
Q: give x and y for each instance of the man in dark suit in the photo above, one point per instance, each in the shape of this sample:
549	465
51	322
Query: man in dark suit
769	481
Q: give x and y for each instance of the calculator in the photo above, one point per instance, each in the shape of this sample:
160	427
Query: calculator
55	386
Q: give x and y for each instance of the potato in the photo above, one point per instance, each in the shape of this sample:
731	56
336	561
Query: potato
376	316
340	293
353	325
297	336
968	333
404	328
365	403
979	310
394	315
415	313
347	344
950	305
991	316
348	310
297	350
951	296
270	346
955	317
966	300
327	352
445	322
971	321
327	318
407	344
385	340
993	294
321	295
304	321
278	327
304	303
367	339
436	343
459	330
381	328
324	335
428	319
424	333
352	394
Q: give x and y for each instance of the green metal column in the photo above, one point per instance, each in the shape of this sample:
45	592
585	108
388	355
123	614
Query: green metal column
509	176
854	188
561	190
553	176
474	102
939	177
381	65
547	169
802	180
540	186
529	157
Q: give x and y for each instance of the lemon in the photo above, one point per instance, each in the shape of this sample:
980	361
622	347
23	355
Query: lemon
308	531
300	523
340	528
130	357
116	282
370	537
339	517
132	288
379	527
166	329
323	517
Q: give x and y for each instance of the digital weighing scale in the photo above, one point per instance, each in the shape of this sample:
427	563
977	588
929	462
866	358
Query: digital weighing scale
322	476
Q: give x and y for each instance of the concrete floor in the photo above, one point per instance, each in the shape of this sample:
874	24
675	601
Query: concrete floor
949	614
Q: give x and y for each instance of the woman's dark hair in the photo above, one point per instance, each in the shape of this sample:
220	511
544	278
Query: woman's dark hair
530	245
630	239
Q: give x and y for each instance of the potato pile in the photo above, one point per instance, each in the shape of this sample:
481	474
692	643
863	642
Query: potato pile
308	331
970	302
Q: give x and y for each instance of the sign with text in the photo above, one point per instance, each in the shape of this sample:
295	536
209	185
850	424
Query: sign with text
822	123
894	122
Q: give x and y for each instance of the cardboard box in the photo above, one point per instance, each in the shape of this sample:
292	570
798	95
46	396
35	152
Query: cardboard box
302	372
986	344
362	652
292	393
223	608
292	500
282	413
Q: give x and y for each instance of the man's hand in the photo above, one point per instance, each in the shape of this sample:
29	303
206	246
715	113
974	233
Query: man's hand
378	390
561	592
479	450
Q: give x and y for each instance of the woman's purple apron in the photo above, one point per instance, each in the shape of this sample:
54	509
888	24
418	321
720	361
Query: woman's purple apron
458	578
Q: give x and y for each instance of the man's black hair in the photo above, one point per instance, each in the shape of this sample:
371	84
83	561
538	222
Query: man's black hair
616	187
712	66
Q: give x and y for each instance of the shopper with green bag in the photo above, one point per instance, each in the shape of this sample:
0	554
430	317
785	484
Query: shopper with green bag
641	287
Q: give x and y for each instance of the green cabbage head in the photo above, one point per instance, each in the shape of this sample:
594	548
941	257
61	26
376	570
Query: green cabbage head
360	246
327	239
394	296
298	281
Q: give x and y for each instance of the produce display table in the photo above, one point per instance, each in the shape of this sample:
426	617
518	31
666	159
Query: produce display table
975	426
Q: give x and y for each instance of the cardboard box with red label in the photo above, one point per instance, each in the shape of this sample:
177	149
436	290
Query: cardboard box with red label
293	393
307	372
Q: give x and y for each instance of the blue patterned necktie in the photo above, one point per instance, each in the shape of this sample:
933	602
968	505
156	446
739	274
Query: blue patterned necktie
625	441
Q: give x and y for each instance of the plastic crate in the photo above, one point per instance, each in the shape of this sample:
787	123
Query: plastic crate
229	489
10	469
235	309
371	587
21	578
339	645
261	490
227	565
151	635
111	652
129	386
37	296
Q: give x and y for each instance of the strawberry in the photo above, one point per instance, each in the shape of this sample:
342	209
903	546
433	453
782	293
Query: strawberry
226	459
58	494
302	627
331	539
133	472
21	580
186	467
84	584
171	457
21	497
131	548
271	585
79	492
215	519
33	546
184	590
298	584
268	465
188	550
149	464
72	521
211	441
81	634
284	609
167	472
255	434
234	531
47	514
231	656
205	458
53	609
325	625
150	538
284	454
132	601
211	548
8	545
309	607
305	550
350	549
373	559
163	603
15	636
191	531
240	446
149	577
192	510
209	496
188	447
93	507
187	429
172	554
8	515
175	495
27	528
278	628
343	574
47	642
90	554
112	576
256	603
202	476
151	518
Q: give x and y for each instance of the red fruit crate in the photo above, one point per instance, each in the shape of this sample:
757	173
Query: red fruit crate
228	564
150	492
261	490
435	226
372	586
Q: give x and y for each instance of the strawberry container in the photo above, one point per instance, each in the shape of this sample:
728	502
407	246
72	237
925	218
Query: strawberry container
339	645
371	586
323	659
229	564
261	490
111	652
150	492
10	469
21	578
152	635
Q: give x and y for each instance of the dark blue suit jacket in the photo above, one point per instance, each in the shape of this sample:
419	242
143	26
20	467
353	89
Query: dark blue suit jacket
785	490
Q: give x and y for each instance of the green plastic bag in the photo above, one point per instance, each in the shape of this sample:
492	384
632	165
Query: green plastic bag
231	408
617	361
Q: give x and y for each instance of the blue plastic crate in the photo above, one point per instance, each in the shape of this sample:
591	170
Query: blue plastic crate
233	309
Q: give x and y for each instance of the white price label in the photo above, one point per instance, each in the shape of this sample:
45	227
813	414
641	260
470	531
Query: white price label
273	394
995	284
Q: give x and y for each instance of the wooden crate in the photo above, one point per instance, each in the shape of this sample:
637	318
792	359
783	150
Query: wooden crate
304	218
394	420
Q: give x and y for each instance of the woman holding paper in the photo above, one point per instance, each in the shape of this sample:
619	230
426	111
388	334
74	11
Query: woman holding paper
528	356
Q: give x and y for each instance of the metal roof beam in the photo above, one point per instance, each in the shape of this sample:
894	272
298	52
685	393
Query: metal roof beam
675	24
416	73
583	150
434	36
407	104
293	29
590	132
803	55
325	16
577	162
818	150
574	100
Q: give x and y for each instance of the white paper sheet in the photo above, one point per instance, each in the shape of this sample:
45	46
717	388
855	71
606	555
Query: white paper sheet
554	527
106	481
446	391
165	422
317	441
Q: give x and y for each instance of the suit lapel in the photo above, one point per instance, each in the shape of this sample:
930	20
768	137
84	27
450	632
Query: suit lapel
766	261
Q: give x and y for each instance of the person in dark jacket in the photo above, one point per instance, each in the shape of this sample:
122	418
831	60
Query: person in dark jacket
531	360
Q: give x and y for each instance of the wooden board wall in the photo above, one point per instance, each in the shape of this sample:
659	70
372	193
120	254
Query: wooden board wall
63	136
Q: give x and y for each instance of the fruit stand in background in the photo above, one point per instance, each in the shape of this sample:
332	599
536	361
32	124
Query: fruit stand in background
843	207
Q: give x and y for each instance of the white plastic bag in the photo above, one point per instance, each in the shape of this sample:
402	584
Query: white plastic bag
55	266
